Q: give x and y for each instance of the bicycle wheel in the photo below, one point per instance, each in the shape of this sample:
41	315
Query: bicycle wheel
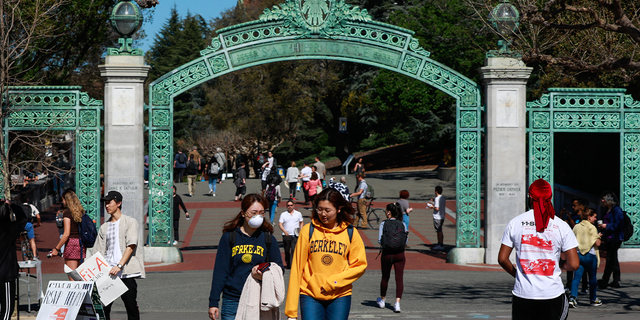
374	217
27	254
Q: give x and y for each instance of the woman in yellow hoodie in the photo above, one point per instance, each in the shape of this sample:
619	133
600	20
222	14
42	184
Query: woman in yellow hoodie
588	242
329	257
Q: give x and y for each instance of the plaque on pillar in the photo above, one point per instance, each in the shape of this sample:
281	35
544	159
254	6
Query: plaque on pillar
507	111
123	112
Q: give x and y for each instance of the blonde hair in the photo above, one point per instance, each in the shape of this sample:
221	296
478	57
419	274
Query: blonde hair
73	203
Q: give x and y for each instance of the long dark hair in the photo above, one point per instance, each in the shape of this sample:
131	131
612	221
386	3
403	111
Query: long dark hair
345	210
246	203
395	210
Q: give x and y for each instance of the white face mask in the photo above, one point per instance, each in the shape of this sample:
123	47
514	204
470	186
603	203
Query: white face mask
256	221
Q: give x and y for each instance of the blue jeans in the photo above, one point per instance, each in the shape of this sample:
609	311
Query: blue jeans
273	206
229	309
588	262
213	182
405	219
312	309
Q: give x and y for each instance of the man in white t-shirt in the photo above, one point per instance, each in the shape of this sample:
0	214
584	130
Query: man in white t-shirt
439	211
538	237
290	220
305	175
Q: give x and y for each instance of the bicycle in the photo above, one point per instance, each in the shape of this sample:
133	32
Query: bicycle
25	247
374	215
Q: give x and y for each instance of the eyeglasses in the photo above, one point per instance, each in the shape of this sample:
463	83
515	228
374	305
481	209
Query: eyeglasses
253	213
327	210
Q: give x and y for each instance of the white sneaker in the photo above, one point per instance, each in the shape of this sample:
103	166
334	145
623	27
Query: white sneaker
380	302
210	192
397	307
175	243
214	194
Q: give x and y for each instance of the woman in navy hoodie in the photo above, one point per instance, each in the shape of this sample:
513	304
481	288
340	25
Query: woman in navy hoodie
242	248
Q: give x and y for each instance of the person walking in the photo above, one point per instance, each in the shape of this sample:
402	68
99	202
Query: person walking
313	185
393	237
215	169
305	175
588	242
240	182
192	174
12	222
273	195
538	237
177	203
439	213
404	204
611	228
196	156
72	216
179	165
362	201
246	242
321	170
289	221
359	167
117	241
329	257
267	167
292	180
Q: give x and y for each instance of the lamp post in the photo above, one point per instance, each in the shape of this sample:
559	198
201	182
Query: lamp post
126	19
505	18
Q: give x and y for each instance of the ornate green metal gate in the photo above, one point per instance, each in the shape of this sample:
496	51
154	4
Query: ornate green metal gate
334	30
589	110
63	109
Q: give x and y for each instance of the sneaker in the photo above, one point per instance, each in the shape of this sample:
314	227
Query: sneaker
175	243
438	247
573	303
583	292
36	259
380	302
294	199
210	192
614	285
214	194
596	303
396	308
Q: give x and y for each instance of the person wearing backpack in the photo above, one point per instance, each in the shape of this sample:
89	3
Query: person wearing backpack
179	165
361	193
117	241
72	217
328	258
192	174
247	241
393	235
31	212
273	195
611	228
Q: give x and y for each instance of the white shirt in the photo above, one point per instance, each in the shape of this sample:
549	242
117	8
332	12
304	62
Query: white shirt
538	255
290	221
441	203
114	255
306	173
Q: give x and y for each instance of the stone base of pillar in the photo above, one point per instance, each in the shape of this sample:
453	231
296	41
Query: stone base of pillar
162	254
629	255
465	255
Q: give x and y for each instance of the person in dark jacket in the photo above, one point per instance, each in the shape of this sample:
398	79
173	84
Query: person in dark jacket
177	203
611	228
240	254
12	222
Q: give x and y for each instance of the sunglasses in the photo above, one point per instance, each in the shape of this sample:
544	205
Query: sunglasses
289	205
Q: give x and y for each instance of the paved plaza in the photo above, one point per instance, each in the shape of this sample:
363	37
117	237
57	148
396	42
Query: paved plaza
433	288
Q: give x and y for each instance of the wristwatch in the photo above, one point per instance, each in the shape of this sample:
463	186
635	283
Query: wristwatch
119	266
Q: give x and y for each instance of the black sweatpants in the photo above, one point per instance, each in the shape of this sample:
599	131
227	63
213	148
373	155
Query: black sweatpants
129	299
7	299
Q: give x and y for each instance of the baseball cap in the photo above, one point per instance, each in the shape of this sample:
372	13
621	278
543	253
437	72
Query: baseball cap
112	195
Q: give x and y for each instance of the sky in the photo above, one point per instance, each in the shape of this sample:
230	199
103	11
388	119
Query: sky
208	9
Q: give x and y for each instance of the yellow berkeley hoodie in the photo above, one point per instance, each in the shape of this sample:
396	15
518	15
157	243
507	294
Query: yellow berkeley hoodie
328	260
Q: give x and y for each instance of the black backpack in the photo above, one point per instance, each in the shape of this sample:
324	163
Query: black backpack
627	228
182	158
272	193
192	167
88	232
27	211
394	237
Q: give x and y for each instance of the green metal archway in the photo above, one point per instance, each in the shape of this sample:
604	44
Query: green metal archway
305	29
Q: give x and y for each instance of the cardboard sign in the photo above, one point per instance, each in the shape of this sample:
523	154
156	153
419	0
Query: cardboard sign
67	300
96	269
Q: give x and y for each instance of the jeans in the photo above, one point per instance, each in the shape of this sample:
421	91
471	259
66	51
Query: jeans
129	299
213	182
613	266
273	206
229	309
405	219
588	262
336	309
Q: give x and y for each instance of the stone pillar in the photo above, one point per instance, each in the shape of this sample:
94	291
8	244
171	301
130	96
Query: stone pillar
124	131
505	81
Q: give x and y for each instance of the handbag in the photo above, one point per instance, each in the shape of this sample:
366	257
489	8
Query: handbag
318	188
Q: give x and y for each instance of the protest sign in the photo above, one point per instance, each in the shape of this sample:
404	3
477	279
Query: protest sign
96	269
67	300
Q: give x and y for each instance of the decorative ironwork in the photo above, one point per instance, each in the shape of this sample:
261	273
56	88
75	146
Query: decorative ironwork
317	29
63	108
589	110
160	183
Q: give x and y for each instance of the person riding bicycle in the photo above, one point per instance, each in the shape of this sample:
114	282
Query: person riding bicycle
31	212
362	206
